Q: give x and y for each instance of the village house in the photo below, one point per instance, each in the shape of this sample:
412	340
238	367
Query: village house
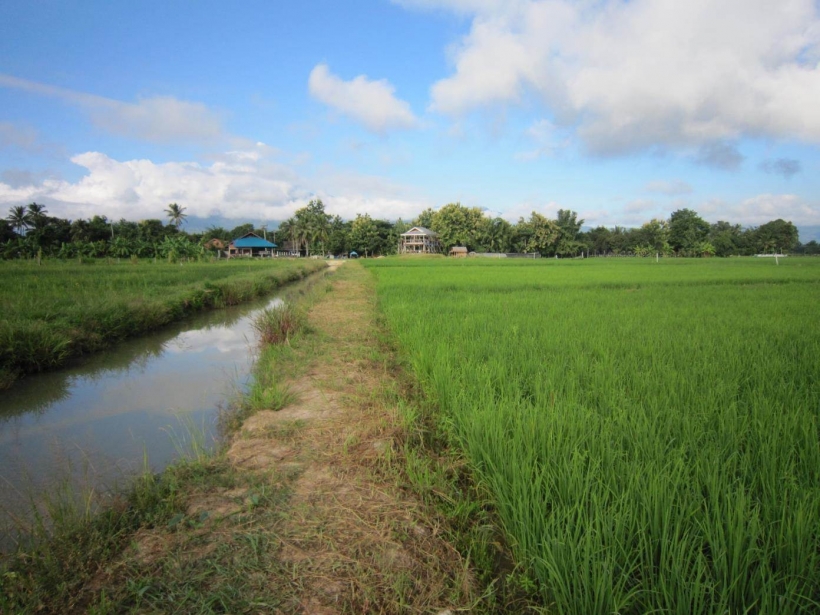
419	240
250	245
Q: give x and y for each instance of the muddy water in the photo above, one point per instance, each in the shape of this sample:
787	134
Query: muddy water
96	422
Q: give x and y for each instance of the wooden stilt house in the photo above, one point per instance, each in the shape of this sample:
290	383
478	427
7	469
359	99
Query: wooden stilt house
419	240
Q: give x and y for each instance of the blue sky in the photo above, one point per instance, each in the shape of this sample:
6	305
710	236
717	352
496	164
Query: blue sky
621	111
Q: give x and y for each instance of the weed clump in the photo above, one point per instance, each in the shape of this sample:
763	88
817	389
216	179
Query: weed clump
276	325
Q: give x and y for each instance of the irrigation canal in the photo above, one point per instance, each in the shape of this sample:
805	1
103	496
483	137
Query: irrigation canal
95	423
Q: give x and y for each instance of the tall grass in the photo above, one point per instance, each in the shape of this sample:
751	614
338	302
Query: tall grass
650	431
57	311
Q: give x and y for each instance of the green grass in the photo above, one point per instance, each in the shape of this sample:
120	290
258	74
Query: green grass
649	432
60	310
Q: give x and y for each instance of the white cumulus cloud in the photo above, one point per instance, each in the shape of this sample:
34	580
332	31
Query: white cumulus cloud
238	185
371	103
647	73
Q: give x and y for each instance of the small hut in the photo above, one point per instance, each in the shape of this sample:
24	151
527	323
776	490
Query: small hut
419	240
458	252
250	245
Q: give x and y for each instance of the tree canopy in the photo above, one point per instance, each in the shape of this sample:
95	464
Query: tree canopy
30	229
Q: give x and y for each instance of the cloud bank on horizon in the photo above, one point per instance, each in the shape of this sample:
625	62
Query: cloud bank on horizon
631	109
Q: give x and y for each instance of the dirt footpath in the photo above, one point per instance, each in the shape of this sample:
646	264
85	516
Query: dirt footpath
353	540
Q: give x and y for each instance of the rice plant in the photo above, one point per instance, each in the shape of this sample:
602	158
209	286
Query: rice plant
650	431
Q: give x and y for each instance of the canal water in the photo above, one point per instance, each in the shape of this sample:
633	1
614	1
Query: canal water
96	423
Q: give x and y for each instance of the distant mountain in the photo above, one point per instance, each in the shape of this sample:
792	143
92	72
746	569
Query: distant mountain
809	233
194	224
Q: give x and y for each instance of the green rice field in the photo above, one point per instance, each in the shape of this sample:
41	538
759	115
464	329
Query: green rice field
649	432
58	310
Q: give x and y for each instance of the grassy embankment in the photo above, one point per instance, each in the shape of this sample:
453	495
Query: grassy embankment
304	509
60	310
649	432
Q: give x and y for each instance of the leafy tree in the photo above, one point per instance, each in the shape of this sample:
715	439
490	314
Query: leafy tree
176	214
599	240
239	231
655	235
6	231
388	237
538	234
686	230
364	235
309	226
457	225
623	240
19	218
812	248
425	218
338	236
496	235
776	235
704	248
569	229
726	238
50	232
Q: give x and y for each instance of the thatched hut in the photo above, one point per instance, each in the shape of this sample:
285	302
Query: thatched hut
458	252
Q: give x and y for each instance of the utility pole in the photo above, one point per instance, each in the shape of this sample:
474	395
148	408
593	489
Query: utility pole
265	231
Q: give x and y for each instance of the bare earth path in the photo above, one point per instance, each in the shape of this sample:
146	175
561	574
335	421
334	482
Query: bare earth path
352	540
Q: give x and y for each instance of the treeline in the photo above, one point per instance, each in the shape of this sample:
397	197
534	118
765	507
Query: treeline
29	232
685	233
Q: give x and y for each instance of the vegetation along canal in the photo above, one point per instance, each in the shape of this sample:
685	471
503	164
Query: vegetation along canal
145	398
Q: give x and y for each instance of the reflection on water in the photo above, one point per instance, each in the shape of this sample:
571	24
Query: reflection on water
103	415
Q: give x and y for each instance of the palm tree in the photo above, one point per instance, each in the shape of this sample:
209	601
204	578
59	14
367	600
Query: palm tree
37	213
174	212
19	218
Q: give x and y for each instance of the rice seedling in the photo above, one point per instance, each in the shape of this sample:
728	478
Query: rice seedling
649	431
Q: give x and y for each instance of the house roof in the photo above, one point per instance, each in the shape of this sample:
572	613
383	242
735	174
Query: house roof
252	240
458	249
420	230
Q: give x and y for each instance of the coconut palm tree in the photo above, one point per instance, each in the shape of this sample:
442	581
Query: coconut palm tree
174	212
19	218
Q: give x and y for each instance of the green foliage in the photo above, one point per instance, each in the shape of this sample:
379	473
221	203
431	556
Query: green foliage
425	219
686	230
538	234
19	218
777	235
648	432
309	228
457	225
364	236
176	214
569	228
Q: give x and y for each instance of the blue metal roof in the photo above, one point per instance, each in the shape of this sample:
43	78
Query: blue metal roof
252	241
